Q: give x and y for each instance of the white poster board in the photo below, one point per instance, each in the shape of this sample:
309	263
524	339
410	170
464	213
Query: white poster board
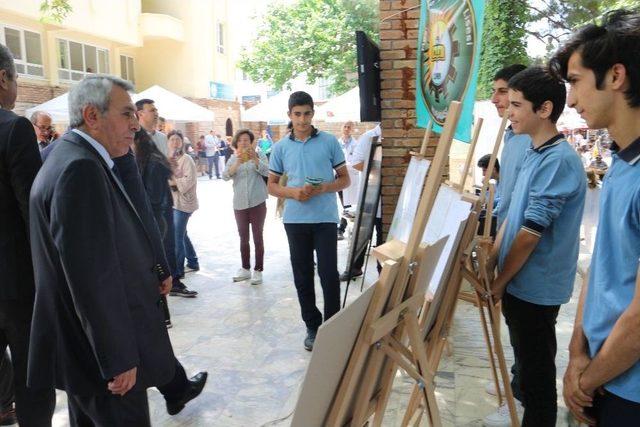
409	198
331	351
448	216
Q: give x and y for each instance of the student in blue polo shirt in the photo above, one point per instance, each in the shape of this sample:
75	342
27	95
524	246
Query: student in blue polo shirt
539	240
315	166
602	382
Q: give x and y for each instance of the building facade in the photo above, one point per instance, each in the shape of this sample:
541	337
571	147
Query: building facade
185	46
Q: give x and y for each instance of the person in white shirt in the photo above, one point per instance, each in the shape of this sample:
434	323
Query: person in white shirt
358	158
212	151
148	117
348	196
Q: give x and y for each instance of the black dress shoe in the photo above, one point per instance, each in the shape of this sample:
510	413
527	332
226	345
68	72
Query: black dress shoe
354	273
8	417
310	340
196	384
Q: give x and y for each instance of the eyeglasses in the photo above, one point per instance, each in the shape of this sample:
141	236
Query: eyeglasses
44	128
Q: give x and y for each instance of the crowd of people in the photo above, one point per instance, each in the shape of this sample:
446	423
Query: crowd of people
94	236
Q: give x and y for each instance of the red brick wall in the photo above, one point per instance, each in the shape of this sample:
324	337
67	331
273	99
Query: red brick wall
31	94
398	49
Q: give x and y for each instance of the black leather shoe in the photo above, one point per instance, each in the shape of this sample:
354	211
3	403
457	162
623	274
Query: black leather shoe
8	417
196	384
310	339
354	273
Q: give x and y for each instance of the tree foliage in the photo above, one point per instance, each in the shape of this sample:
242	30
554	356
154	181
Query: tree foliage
503	40
54	10
315	37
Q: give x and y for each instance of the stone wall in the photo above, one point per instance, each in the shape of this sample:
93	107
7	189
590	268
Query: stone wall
398	50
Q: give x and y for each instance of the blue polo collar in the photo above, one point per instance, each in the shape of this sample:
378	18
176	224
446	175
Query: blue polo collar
314	132
631	154
550	143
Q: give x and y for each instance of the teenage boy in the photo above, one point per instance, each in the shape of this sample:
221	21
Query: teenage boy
315	166
539	240
514	148
602	382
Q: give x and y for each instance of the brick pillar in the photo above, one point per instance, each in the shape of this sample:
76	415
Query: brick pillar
398	49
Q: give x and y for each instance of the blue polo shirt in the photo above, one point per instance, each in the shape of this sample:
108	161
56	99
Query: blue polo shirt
317	157
511	159
614	265
547	200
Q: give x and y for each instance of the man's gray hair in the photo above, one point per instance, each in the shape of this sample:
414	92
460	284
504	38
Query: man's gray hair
36	114
6	61
93	90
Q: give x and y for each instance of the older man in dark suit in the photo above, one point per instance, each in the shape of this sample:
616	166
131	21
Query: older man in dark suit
19	164
97	332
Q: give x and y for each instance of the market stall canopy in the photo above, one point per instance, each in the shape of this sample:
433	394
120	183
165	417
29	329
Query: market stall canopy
174	107
343	108
273	110
58	108
170	106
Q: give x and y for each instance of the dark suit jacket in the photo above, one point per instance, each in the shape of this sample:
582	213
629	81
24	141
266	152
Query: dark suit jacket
19	164
96	310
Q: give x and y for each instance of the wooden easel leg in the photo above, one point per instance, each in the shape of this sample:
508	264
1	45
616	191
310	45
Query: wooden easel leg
412	407
504	371
417	346
487	339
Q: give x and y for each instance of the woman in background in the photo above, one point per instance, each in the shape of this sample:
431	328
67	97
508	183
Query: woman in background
185	202
246	168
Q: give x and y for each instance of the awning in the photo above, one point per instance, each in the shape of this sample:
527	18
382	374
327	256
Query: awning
174	107
170	106
343	108
58	108
273	110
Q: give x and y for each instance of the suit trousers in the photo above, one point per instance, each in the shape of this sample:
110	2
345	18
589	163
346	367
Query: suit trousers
6	382
304	239
130	410
34	407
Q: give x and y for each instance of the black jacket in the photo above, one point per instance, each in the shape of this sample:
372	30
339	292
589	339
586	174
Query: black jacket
96	310
19	164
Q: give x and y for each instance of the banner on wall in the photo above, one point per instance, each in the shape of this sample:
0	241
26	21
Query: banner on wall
449	41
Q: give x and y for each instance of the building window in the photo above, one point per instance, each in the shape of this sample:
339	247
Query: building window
76	60
220	35
26	48
126	68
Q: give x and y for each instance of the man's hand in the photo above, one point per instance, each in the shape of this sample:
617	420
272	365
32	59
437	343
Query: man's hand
123	382
165	285
314	190
575	398
497	288
299	193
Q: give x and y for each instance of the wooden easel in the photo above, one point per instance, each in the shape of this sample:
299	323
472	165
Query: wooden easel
394	311
489	312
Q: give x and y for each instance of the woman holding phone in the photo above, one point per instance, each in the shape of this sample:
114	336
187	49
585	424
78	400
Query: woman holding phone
246	168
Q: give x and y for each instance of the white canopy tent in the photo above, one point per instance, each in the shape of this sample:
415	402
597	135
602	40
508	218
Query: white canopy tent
58	108
170	106
343	108
174	107
273	110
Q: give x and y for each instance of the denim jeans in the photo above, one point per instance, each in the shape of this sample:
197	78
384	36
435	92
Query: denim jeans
184	248
304	239
213	162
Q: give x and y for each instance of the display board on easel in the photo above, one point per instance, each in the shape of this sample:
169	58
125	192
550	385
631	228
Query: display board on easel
368	201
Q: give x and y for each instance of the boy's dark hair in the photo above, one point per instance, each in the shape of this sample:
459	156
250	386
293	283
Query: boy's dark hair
509	71
141	102
538	86
483	163
300	98
616	41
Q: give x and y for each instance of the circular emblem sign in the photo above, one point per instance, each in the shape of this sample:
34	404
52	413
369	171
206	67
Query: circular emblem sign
447	55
